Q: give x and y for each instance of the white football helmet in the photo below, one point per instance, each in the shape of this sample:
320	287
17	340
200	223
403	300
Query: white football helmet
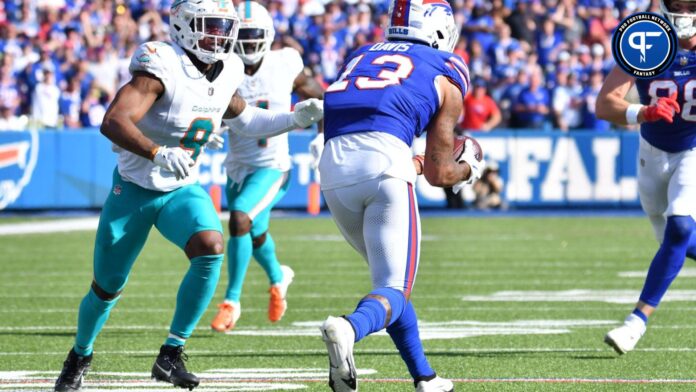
684	22
206	28
427	21
256	32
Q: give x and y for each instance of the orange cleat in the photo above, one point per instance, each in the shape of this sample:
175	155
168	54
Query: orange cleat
226	317
277	304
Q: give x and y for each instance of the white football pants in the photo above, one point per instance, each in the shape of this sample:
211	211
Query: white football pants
380	219
666	184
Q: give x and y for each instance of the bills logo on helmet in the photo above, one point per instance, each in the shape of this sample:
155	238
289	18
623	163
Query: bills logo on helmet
17	162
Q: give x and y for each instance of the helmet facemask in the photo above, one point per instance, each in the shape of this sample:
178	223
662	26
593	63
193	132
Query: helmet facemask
214	36
252	44
682	15
256	32
204	28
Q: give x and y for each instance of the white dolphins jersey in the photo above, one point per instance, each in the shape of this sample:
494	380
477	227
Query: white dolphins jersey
190	109
269	88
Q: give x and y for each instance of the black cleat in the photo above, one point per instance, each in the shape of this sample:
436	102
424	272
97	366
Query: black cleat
169	367
74	370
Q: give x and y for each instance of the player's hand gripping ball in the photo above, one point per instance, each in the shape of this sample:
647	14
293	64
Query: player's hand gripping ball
467	149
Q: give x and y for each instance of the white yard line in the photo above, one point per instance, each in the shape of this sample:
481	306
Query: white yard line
50	226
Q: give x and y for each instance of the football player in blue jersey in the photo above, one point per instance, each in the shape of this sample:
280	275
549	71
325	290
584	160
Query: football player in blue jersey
388	93
666	163
160	122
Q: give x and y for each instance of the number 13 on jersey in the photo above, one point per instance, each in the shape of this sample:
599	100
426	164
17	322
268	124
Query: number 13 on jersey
386	77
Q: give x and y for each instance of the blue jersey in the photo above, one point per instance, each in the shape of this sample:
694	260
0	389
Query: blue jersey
389	87
679	78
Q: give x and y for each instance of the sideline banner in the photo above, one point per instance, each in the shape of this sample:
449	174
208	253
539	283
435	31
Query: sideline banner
72	169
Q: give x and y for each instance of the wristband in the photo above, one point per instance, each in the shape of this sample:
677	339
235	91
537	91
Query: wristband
632	113
153	152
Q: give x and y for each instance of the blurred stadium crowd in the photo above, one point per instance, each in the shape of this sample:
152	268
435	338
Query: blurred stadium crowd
537	64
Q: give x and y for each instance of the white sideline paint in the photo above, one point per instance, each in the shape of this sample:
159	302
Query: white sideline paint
684	273
252	379
428	330
578	295
50	226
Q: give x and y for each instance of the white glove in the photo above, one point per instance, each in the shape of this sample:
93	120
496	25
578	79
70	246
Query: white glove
175	160
215	142
316	147
308	112
469	156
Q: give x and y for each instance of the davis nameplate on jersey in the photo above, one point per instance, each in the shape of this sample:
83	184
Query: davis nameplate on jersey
644	45
18	158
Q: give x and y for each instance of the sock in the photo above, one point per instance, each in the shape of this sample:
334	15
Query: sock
92	316
175	341
691	248
406	338
640	315
668	260
194	295
370	315
238	256
266	256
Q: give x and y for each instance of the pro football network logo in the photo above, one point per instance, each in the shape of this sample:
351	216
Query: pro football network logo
17	162
644	45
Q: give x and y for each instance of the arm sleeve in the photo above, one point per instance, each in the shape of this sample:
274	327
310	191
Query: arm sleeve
259	123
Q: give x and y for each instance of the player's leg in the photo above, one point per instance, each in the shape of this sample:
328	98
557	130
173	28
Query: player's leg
264	250
189	220
347	209
679	227
124	225
394	267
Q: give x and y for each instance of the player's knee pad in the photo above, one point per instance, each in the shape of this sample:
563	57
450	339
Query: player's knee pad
392	300
258	241
679	229
105	295
240	223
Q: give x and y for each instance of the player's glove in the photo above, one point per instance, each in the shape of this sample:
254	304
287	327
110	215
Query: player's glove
469	156
215	142
175	160
663	109
308	112
316	147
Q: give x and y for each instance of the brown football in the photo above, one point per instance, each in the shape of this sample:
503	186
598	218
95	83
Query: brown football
459	147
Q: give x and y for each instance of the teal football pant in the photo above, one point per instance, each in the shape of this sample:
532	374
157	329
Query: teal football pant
255	196
129	213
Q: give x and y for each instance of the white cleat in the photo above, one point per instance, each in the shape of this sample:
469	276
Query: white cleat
437	384
624	338
339	337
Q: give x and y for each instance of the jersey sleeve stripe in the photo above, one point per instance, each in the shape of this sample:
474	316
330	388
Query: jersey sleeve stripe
464	77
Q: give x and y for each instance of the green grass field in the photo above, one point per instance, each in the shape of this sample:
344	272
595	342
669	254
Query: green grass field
493	298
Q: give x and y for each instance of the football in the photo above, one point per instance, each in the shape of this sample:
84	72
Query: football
459	142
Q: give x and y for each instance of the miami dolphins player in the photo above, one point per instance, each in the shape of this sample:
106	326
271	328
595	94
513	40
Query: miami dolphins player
258	169
388	94
160	122
666	163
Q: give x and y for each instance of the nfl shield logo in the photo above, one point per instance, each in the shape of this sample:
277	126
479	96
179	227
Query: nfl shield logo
117	190
683	61
211	91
